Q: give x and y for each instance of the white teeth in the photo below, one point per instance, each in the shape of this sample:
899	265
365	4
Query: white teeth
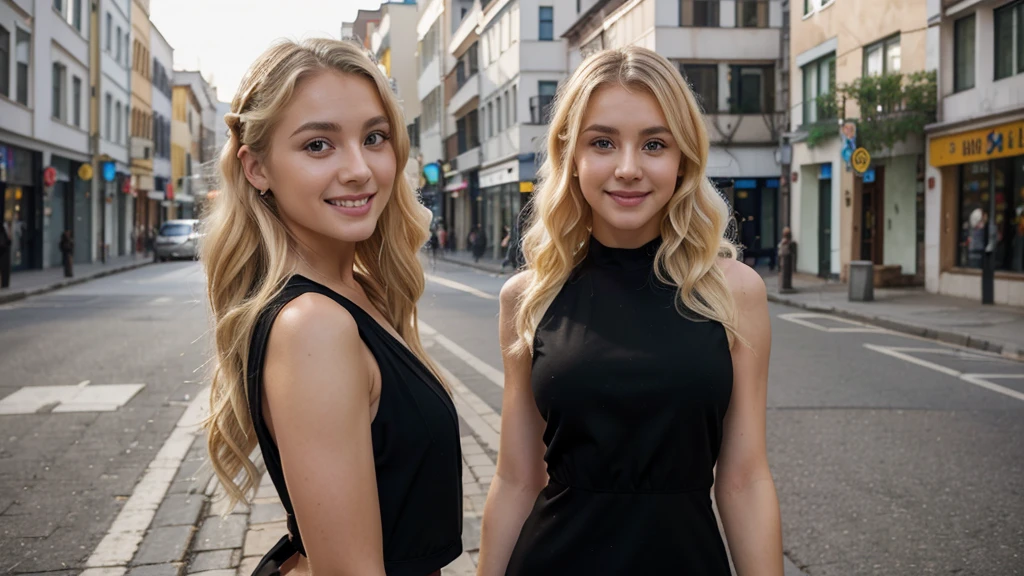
350	203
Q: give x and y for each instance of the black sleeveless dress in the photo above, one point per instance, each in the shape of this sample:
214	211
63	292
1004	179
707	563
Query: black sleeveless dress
634	394
416	450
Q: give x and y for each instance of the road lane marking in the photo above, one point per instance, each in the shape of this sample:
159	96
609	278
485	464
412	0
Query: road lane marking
803	319
122	540
486	370
77	398
460	286
980	380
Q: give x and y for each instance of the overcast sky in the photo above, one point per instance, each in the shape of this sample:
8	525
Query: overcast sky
221	38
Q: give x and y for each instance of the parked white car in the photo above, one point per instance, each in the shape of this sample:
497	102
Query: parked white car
178	239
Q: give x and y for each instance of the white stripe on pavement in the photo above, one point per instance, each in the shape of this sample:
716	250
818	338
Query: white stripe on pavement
980	380
490	372
460	286
119	545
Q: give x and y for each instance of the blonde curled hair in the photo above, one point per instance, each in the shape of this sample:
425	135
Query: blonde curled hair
696	217
247	248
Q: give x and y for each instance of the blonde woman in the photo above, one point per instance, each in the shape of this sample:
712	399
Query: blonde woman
313	277
635	350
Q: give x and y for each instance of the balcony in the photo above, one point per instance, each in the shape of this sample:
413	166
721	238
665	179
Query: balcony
541	109
466	96
739	128
142	148
468	160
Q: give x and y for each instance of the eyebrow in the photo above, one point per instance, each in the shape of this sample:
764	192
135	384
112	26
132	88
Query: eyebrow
335	127
614	131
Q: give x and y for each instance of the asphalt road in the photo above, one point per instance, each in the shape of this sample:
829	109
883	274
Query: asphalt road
891	455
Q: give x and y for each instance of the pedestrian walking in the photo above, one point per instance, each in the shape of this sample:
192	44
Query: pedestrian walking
478	243
442	236
312	261
67	251
635	348
5	255
433	243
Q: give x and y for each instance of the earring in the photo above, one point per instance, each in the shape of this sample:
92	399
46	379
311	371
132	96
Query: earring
263	193
575	174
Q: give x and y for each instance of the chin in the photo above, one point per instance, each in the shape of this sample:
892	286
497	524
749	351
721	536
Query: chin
628	222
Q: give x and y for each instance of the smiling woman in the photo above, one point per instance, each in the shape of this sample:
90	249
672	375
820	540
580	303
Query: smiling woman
313	277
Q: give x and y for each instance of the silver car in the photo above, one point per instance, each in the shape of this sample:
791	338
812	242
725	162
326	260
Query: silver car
178	239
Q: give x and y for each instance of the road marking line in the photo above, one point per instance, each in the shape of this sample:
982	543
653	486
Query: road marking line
801	318
976	379
460	286
160	301
122	540
980	380
490	372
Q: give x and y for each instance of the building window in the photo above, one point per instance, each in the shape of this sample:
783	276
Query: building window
546	26
76	16
474	59
819	80
76	95
515	105
1002	235
490	120
812	5
5	62
22	54
127	53
963	54
508	111
110	29
883	57
117	118
752	90
497	107
127	136
118	44
699	13
703	80
60	94
808	7
106	123
752	13
1009	40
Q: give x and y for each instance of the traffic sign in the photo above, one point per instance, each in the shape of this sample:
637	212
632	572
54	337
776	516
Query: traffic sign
861	160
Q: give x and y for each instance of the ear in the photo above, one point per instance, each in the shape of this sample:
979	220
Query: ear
255	171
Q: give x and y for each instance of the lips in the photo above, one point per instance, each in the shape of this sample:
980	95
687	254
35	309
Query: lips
627	198
354	201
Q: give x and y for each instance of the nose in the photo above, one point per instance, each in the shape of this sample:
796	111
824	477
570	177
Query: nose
354	171
629	166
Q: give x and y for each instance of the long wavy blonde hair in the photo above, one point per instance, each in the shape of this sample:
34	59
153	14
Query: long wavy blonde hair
247	251
696	217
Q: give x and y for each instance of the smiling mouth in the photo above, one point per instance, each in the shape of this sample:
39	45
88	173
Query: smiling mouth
349	203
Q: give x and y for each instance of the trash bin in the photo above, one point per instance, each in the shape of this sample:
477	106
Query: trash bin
862	281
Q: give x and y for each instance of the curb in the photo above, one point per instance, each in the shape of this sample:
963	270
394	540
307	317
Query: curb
64	283
475	265
957	338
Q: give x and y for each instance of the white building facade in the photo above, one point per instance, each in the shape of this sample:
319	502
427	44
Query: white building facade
117	206
44	123
975	172
163	81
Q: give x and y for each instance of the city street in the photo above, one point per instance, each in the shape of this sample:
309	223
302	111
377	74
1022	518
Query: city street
892	455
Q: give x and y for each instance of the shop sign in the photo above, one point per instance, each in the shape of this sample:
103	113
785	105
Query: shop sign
978	145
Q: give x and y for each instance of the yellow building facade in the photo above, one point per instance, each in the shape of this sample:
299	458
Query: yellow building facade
146	208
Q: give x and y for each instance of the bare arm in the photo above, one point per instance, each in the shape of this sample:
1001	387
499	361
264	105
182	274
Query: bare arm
520	474
744	488
318	383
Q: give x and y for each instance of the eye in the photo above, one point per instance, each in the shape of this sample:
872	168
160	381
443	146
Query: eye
376	139
317	146
654	145
602	144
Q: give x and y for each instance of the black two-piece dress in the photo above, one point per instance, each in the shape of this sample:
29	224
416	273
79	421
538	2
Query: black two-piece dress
416	449
634	395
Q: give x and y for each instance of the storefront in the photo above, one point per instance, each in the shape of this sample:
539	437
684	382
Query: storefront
68	206
982	209
21	190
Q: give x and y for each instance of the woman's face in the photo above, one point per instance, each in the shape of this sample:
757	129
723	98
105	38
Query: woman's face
330	165
628	165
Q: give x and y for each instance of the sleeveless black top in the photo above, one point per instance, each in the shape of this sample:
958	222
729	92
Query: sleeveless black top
634	394
416	450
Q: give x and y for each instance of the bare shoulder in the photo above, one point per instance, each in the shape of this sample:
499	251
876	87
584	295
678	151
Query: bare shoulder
313	327
513	289
744	282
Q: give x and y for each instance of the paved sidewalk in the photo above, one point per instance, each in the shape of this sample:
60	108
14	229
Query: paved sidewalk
33	282
997	329
465	258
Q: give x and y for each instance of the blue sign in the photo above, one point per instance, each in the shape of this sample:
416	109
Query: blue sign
869	175
771	183
432	173
109	171
745	184
826	172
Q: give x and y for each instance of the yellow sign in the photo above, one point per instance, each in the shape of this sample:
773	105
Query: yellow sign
978	145
861	160
85	172
525	187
